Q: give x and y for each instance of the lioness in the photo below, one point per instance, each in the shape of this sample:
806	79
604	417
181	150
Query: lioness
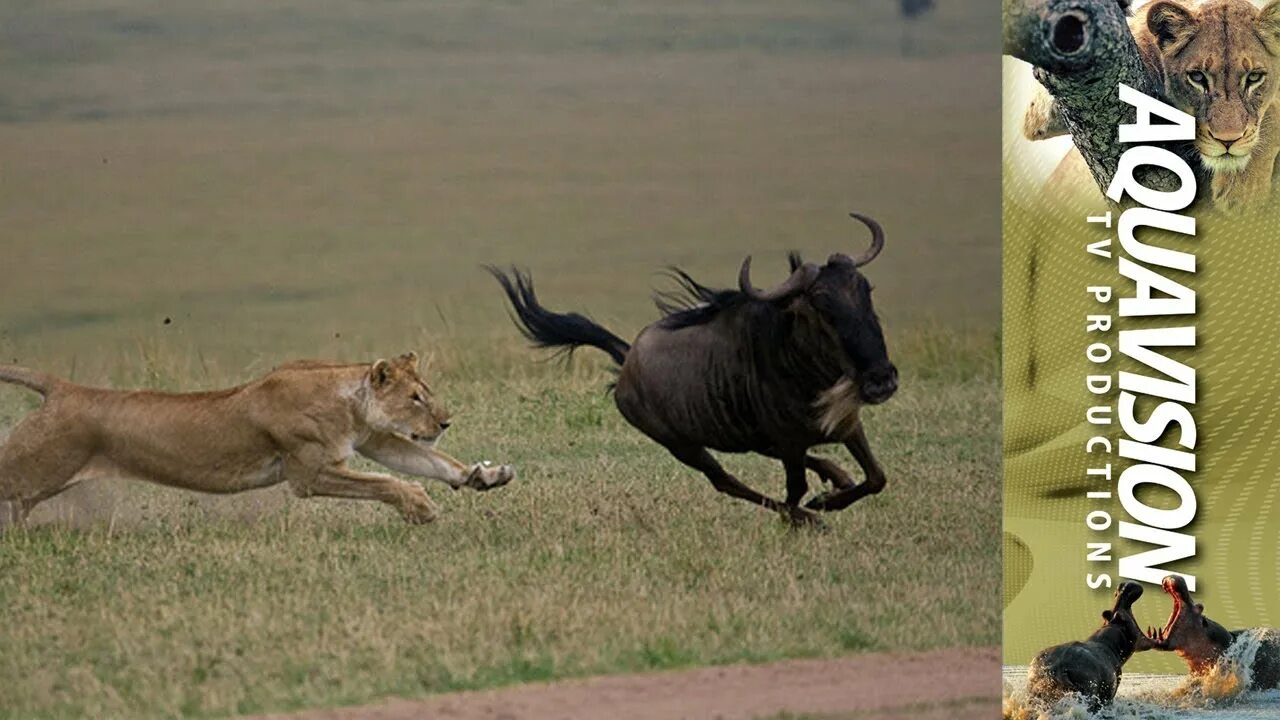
1215	61
298	424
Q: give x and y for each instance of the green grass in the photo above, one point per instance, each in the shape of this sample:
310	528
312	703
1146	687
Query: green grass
260	227
81	60
192	195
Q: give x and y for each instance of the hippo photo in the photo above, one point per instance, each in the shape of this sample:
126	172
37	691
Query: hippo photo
1091	667
1201	642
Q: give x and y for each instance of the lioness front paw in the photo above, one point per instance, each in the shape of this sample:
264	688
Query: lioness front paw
417	508
484	477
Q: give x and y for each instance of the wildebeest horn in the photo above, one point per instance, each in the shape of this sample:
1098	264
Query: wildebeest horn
877	239
799	281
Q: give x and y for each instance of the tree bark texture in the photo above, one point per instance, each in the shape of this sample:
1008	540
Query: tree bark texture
1081	50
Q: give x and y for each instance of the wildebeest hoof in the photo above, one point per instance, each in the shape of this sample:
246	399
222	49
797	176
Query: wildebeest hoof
483	477
832	500
819	501
801	518
839	499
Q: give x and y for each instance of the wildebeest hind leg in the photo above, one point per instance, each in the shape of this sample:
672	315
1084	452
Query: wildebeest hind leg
874	482
797	485
701	460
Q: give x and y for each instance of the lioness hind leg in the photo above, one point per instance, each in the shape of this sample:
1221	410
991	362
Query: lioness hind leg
340	481
12	513
39	460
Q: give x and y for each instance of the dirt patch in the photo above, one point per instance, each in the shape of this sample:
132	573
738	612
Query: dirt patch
957	684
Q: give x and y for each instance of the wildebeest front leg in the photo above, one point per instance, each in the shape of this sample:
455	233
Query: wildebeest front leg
829	471
699	459
874	482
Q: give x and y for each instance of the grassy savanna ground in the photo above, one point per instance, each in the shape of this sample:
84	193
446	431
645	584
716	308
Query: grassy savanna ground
605	556
322	180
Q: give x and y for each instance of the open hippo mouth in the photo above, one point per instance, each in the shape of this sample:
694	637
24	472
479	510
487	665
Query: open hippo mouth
1176	588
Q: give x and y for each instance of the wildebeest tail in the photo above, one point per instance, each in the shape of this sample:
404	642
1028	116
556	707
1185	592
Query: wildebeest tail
550	329
37	381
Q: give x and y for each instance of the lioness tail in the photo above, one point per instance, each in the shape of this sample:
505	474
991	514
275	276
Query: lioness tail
37	381
550	329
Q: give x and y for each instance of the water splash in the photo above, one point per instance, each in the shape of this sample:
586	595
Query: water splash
1219	696
1230	677
1017	705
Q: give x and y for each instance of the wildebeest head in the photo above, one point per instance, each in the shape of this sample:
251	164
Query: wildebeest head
840	298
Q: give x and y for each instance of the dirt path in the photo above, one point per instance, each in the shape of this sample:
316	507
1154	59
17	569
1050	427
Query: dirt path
953	684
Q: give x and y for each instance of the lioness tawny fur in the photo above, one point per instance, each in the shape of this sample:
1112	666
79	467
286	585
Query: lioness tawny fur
298	424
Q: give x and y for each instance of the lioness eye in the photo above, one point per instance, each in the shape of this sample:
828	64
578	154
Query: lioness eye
1255	77
1196	77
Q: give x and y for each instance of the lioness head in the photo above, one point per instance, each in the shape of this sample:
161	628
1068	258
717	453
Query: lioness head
399	402
1218	60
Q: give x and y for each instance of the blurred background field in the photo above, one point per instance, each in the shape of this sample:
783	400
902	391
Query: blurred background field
268	178
193	193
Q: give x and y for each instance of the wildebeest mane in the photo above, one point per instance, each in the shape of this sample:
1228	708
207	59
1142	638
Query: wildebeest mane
692	303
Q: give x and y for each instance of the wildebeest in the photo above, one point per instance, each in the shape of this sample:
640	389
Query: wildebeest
774	372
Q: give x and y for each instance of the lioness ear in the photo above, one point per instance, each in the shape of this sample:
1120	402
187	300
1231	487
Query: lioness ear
1171	24
380	373
409	359
1269	27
